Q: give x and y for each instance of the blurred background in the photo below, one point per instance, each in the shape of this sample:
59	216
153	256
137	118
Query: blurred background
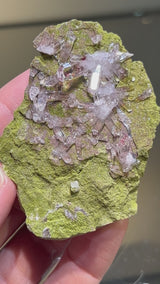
138	24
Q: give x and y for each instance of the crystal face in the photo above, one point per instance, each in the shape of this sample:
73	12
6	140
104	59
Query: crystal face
79	142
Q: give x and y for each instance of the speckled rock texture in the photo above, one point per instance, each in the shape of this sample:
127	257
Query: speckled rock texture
79	142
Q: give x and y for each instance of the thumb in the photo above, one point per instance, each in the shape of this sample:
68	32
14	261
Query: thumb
7	195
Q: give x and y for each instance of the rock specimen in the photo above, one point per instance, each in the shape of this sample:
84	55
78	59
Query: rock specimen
79	142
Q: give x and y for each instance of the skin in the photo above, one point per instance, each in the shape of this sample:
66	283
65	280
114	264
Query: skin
25	258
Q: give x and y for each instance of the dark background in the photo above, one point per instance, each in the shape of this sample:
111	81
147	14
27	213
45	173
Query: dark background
138	261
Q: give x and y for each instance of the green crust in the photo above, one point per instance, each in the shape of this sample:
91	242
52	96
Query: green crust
42	185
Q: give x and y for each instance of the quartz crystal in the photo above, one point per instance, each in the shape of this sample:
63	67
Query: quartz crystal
79	142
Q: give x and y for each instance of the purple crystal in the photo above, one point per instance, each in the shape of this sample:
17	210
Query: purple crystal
96	38
47	44
96	118
49	81
145	95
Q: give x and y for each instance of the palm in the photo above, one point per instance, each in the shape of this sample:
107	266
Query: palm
26	257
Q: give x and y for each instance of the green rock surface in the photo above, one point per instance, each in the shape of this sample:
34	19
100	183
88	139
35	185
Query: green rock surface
61	199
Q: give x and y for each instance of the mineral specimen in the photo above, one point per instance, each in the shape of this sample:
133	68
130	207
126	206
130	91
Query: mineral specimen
79	142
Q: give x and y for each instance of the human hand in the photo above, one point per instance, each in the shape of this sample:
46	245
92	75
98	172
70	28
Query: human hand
26	257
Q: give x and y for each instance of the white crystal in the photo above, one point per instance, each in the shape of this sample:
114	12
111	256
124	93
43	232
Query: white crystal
33	92
103	108
95	80
122	56
36	117
46	49
130	161
75	185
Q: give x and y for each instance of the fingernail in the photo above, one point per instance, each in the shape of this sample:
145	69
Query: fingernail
2	177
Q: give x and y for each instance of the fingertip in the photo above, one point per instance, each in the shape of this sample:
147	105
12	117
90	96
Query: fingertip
12	93
7	195
124	224
120	226
5	117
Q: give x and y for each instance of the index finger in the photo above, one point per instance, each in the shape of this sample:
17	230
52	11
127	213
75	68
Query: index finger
11	96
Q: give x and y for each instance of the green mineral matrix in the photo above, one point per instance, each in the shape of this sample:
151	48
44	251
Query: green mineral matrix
79	142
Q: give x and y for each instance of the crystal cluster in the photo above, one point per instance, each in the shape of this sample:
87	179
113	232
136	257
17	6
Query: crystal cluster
98	118
79	142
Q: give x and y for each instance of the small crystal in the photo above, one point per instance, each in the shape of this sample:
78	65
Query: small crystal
33	72
46	233
145	95
96	39
129	162
95	80
33	92
46	44
75	186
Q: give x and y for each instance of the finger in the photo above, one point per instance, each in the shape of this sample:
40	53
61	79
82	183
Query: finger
27	257
24	259
15	218
7	196
12	94
5	117
89	256
68	272
96	251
